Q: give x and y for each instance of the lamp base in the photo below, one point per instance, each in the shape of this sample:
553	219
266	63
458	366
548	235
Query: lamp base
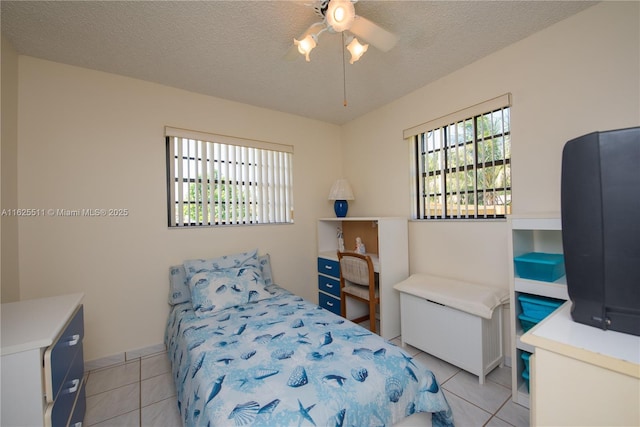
341	207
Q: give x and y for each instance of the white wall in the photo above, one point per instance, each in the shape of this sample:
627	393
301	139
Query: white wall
9	275
578	76
95	140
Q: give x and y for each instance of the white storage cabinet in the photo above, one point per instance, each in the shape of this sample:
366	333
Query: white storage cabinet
582	375
466	319
42	362
462	339
542	233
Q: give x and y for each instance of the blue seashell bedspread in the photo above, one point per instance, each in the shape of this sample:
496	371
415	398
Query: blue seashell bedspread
283	361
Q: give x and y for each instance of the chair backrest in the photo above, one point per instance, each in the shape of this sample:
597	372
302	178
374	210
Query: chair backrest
356	268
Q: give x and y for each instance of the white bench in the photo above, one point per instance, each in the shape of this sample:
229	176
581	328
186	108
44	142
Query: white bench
453	320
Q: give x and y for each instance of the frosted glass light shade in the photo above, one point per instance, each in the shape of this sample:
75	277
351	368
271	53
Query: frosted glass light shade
356	49
340	15
306	45
341	190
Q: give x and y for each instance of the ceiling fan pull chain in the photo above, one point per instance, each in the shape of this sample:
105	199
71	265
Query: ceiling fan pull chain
344	74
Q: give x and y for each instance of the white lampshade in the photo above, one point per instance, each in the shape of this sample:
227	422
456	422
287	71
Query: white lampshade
340	15
341	190
306	45
356	49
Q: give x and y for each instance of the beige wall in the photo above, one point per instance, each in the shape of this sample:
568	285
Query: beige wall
95	140
578	76
9	282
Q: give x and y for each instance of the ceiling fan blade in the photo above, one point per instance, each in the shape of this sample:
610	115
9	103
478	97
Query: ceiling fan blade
373	34
293	54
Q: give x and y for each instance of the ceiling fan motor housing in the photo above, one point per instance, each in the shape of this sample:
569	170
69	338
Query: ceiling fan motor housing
338	14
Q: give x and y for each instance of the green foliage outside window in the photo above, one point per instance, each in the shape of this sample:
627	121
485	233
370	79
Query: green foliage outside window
224	191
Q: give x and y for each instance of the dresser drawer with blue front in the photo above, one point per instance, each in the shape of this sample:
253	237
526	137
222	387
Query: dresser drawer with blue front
61	410
77	416
329	303
329	285
329	267
43	363
59	357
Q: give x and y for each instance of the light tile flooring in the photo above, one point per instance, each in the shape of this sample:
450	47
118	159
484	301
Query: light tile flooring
141	393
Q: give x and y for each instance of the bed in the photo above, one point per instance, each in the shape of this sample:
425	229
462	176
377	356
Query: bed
244	351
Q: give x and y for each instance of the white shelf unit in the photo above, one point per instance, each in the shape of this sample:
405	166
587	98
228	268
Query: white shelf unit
530	234
387	242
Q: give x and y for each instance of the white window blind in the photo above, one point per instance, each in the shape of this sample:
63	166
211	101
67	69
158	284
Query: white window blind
463	163
223	180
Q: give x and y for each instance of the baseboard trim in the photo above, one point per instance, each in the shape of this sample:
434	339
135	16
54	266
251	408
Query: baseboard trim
119	358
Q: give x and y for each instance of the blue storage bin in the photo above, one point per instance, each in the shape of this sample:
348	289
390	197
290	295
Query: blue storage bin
525	376
537	307
540	266
525	357
527	322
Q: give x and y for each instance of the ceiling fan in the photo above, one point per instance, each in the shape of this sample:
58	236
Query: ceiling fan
338	16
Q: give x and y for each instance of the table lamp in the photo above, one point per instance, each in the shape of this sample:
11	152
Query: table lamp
341	192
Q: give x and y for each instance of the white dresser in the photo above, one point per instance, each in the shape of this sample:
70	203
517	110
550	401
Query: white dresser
42	366
581	375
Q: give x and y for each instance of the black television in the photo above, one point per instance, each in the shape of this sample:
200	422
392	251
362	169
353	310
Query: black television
600	211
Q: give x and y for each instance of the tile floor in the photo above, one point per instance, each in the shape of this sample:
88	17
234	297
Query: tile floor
141	393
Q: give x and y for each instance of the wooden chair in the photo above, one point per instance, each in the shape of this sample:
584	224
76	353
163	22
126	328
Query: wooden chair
357	280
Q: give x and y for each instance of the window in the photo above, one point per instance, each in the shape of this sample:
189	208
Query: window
463	163
220	180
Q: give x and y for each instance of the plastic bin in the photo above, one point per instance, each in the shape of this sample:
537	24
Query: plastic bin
525	376
537	307
527	322
525	357
540	266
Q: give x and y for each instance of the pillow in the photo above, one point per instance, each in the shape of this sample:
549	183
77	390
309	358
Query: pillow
178	285
215	290
265	268
194	266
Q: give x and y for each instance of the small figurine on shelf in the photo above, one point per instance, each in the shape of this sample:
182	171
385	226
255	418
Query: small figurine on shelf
360	246
340	240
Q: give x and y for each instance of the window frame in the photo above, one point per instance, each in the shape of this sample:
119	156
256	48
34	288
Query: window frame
477	210
251	180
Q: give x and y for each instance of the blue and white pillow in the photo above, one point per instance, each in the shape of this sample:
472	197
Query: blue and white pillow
215	290
178	285
265	268
195	266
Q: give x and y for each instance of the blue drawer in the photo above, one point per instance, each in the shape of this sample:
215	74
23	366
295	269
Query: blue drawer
58	359
329	303
72	388
77	417
329	285
329	267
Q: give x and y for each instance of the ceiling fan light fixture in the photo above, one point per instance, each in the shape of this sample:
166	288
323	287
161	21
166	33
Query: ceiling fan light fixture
306	45
340	15
356	49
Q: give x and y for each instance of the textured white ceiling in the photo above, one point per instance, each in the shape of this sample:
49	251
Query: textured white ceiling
235	49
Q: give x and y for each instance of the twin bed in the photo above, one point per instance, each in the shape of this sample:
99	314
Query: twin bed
245	351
